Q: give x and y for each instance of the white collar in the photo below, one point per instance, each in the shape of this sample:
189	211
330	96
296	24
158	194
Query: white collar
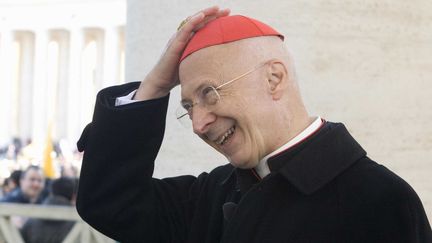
263	169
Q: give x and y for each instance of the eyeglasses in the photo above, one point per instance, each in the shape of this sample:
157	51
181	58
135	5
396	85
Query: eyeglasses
208	97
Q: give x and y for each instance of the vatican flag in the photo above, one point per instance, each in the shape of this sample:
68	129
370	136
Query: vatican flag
48	163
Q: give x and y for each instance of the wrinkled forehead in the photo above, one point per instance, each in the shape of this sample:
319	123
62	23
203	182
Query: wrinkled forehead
216	64
209	66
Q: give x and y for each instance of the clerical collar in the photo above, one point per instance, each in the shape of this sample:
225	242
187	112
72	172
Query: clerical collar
263	169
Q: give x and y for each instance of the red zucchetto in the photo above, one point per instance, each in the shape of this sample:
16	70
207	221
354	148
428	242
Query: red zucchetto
227	29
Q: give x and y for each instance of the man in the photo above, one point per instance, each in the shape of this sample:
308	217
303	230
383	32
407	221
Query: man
52	231
32	183
291	177
30	191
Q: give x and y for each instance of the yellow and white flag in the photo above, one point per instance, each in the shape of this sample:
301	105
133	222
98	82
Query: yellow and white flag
48	163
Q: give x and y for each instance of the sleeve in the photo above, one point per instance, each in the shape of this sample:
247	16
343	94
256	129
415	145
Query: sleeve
400	213
382	207
126	99
402	219
117	194
418	229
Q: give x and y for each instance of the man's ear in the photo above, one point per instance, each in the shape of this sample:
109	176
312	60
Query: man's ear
277	78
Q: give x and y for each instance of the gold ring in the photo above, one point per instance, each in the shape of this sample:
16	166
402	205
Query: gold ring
183	23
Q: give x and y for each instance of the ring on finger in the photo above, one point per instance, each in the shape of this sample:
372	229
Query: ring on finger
183	23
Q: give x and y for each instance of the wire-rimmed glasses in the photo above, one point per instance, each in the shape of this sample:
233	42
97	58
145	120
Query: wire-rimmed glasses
208	97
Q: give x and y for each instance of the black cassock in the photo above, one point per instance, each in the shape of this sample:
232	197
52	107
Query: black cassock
324	189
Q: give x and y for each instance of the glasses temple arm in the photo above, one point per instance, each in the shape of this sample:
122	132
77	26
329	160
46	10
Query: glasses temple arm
239	77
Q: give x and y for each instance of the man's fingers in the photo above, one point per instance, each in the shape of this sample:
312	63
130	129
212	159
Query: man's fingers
164	75
193	24
196	22
210	11
210	17
223	12
185	31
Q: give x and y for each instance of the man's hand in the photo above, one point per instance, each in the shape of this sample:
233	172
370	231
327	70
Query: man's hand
164	76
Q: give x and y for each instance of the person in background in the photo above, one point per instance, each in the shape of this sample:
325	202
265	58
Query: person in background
7	187
11	183
63	193
16	176
31	184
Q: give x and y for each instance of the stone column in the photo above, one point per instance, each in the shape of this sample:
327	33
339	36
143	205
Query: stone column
25	93
61	109
40	104
6	84
73	111
111	56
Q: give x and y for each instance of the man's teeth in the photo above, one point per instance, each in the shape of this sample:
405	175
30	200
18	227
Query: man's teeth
225	137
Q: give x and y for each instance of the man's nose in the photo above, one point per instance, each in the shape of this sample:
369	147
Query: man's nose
36	184
201	120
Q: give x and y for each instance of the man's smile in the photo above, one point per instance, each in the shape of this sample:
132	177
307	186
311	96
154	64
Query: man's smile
227	135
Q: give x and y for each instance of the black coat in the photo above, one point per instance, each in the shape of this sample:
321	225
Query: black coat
18	196
323	190
47	230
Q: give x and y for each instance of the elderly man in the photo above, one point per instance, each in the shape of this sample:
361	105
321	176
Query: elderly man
292	177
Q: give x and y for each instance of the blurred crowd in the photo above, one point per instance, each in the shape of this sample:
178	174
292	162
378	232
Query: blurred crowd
25	181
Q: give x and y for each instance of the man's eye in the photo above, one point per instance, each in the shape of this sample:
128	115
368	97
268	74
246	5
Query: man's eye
207	91
210	95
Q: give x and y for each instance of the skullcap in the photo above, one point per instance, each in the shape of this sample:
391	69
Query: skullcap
227	29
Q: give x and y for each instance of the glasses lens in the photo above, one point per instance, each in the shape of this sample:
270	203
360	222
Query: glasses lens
209	96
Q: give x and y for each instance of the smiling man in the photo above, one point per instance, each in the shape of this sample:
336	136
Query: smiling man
291	177
32	182
257	106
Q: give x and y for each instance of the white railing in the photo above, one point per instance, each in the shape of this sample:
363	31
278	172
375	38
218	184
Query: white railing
81	232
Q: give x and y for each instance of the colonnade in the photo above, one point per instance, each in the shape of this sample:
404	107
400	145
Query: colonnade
51	76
